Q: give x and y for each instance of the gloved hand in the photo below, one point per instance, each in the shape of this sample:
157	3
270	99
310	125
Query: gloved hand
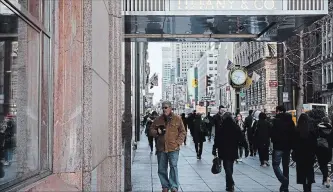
246	153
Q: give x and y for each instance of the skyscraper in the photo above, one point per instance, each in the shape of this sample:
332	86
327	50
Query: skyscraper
166	72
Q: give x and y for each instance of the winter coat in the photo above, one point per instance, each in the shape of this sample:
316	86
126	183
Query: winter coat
199	130
324	130
174	132
282	132
262	134
304	153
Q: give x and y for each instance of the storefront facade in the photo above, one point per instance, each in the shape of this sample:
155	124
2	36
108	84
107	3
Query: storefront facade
61	95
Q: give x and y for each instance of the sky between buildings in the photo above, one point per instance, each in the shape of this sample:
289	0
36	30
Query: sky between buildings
155	60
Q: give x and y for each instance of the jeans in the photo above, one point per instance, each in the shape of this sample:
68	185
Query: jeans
228	166
163	158
283	177
9	154
240	150
198	148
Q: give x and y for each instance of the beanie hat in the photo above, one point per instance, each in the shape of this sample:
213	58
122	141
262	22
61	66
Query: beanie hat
221	106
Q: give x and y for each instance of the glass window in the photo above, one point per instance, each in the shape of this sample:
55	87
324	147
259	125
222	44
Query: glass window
24	111
33	6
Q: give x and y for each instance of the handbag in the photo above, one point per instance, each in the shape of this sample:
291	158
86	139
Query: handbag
216	167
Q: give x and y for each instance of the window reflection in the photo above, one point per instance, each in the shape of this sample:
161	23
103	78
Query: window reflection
19	99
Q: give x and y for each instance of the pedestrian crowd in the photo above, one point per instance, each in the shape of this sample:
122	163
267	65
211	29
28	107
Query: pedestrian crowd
308	142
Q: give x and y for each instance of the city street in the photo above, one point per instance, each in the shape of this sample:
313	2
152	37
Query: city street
195	175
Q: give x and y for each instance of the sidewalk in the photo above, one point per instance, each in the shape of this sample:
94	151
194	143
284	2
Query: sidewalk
195	175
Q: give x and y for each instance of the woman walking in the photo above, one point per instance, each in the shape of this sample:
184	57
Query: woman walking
324	148
304	150
198	134
240	123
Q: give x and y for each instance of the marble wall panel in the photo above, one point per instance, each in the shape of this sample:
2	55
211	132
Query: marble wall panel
68	131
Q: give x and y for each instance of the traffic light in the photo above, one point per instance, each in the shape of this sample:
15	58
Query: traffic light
195	83
208	81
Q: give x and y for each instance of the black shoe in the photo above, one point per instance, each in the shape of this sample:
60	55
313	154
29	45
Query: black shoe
232	189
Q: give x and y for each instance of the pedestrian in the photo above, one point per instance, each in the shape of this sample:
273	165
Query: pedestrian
240	123
170	133
184	119
190	120
249	122
262	139
304	152
199	133
150	121
324	148
281	136
227	139
209	125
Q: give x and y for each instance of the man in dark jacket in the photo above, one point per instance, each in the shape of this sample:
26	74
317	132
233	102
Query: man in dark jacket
281	136
248	126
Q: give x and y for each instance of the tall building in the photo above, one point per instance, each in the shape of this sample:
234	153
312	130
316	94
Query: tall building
225	94
166	72
184	56
207	66
257	58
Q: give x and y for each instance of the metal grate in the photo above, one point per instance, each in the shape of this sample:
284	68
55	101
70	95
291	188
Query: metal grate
144	5
303	5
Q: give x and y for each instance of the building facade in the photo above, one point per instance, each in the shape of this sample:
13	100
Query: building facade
61	62
259	59
207	66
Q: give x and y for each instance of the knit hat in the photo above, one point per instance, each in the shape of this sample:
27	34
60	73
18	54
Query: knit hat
221	106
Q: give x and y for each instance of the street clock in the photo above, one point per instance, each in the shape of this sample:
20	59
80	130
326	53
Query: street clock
237	77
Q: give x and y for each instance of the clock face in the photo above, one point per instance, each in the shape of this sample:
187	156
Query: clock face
238	77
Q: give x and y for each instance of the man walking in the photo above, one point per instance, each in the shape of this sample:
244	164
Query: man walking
281	136
169	131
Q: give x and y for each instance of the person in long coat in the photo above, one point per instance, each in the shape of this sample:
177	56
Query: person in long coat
262	139
184	119
227	139
304	152
324	154
198	134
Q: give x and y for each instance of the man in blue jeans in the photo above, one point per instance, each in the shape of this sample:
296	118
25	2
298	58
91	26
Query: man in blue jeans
169	131
282	133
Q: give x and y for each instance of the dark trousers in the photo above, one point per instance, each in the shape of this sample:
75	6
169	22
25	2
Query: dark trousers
263	153
323	166
282	176
253	147
151	143
198	148
307	187
228	166
209	128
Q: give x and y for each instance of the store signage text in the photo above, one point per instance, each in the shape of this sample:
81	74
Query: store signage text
210	5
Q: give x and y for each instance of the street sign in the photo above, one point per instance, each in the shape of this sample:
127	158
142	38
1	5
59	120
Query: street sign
206	98
242	94
273	83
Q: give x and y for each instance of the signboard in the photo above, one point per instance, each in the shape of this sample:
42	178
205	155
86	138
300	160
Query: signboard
229	5
242	94
273	83
285	97
227	88
206	98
